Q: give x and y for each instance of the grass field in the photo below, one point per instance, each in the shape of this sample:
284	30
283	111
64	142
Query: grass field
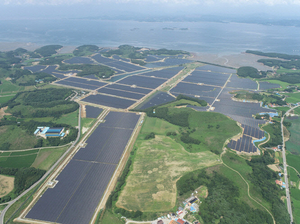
284	70
159	163
296	209
8	86
293	97
184	102
47	157
70	119
293	144
109	218
86	123
294	161
17	137
17	161
6	185
4	99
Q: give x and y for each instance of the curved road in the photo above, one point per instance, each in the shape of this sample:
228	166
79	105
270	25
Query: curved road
9	204
288	197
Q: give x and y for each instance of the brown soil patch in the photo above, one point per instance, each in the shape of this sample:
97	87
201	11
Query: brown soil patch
7	78
6	185
40	159
2	112
83	111
274	167
283	198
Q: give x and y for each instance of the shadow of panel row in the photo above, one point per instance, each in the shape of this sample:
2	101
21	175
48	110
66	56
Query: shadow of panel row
83	182
142	81
253	132
214	68
243	144
114	92
164	73
210	78
109	101
196	90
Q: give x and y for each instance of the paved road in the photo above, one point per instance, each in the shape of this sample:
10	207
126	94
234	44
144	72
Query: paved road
288	197
9	204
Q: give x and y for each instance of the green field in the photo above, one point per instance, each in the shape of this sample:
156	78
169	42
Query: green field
293	97
86	123
7	86
296	208
4	99
17	137
294	161
70	119
284	70
47	157
293	144
17	161
109	218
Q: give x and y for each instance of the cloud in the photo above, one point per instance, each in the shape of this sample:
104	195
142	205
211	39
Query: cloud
207	2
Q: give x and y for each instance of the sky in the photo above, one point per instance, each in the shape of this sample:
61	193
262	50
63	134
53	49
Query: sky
19	9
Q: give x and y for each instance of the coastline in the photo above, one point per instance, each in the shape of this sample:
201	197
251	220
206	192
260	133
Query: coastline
234	60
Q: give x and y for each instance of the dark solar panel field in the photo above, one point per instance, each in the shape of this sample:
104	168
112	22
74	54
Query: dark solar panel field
86	81
77	85
229	107
241	83
124	66
117	57
151	58
142	81
157	99
79	60
243	144
210	78
59	76
35	68
193	89
99	58
250	121
267	85
109	101
129	88
253	132
164	73
121	93
169	62
120	65
83	181
92	112
50	69
214	68
91	77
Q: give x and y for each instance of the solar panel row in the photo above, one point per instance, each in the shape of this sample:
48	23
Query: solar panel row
114	92
210	78
84	180
109	101
81	83
243	144
164	73
253	132
120	65
214	68
198	90
142	81
92	112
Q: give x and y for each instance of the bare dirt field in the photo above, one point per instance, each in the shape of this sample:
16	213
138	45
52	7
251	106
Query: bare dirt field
6	185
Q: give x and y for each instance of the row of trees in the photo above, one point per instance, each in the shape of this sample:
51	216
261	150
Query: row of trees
275	55
85	50
248	71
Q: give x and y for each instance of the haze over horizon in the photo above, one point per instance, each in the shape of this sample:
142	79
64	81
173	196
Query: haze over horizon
30	9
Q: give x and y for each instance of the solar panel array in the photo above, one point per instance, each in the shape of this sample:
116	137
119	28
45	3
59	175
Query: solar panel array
79	60
208	78
245	144
119	65
83	181
218	69
157	99
241	83
164	73
92	112
81	83
109	101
